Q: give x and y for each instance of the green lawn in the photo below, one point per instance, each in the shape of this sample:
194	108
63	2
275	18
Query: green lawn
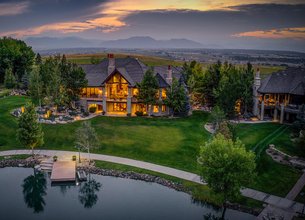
170	142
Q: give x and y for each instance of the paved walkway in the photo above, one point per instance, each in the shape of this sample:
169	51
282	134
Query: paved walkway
284	208
120	160
294	192
276	203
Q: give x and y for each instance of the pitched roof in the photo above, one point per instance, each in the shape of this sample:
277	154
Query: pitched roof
290	81
131	69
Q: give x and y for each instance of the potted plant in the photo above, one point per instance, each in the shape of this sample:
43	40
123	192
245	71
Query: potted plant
55	158
74	158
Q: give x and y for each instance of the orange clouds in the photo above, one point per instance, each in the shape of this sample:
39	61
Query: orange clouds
294	33
111	15
107	24
7	9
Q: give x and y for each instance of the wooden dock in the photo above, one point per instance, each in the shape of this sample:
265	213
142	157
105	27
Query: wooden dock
63	171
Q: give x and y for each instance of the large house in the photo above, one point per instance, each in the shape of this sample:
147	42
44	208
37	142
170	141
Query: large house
280	95
112	86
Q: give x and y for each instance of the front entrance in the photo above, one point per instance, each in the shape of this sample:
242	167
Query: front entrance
117	107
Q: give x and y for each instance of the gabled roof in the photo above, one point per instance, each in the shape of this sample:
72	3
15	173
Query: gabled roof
289	81
131	69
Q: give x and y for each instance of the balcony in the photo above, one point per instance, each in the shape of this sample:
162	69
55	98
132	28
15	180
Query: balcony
92	97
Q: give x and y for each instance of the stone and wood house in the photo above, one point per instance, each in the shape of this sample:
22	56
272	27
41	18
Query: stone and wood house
280	95
112	86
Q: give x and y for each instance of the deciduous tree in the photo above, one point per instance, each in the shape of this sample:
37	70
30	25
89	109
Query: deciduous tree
226	166
86	137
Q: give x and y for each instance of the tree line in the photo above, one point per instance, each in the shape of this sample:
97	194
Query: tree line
220	84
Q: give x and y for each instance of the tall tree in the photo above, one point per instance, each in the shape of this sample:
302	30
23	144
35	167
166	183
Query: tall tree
38	59
17	55
87	193
246	91
148	90
86	137
29	131
9	79
73	79
35	86
226	167
34	190
176	97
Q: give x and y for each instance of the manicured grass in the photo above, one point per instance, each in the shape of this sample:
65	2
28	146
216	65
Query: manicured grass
272	177
148	60
170	142
4	92
285	144
21	156
198	192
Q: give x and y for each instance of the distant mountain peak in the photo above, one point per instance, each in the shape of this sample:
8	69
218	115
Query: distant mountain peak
131	42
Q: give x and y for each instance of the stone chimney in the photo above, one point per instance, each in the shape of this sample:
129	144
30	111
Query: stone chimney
169	77
111	63
256	85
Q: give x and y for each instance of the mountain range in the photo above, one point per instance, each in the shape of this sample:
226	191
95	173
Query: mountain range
142	42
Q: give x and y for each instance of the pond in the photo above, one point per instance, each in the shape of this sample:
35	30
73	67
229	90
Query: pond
29	195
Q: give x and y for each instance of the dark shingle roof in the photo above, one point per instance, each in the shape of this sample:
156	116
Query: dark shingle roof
132	70
290	81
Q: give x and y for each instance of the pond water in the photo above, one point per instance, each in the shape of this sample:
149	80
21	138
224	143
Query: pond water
25	195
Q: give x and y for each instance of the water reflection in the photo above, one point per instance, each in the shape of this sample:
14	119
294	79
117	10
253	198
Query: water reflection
210	216
34	190
87	193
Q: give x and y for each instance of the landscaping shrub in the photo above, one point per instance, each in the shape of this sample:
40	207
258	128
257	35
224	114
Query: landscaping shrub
92	109
139	113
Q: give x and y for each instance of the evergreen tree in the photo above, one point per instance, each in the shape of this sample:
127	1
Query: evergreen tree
176	97
29	131
38	59
35	86
9	79
148	90
246	82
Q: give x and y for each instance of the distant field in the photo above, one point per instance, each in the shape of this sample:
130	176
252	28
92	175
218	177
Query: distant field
148	60
155	61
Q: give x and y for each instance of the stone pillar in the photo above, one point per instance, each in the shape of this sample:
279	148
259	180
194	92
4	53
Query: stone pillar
129	101
287	116
282	114
255	106
262	110
275	113
160	101
256	85
104	99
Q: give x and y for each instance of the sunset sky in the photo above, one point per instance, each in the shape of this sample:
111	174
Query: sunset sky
254	24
